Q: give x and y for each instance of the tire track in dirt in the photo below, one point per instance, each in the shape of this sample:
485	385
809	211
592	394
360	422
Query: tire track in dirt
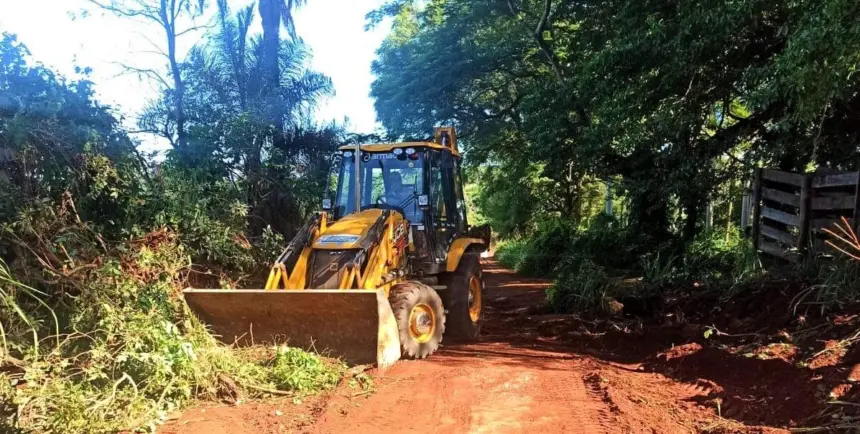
493	386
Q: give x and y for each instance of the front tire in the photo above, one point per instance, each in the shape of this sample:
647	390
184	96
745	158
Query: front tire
464	299
420	318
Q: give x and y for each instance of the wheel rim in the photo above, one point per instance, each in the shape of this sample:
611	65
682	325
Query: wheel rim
422	322
475	301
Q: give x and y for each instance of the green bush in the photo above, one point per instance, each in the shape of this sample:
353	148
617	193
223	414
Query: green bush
130	353
578	260
294	369
511	252
546	248
538	254
579	288
715	258
658	269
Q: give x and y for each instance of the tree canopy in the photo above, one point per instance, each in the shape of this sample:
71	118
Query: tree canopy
668	99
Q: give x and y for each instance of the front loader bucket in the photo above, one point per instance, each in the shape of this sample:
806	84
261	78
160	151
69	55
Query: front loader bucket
355	325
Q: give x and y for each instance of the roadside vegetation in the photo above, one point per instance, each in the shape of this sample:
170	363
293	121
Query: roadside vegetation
616	141
608	144
98	238
611	145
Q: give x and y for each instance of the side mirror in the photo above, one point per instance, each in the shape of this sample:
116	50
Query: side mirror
424	201
326	204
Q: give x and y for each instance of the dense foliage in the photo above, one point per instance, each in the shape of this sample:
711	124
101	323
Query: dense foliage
671	104
97	239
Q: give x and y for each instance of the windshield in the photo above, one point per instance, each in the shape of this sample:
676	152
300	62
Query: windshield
388	181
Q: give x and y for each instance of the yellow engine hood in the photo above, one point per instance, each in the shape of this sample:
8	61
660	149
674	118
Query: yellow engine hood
349	231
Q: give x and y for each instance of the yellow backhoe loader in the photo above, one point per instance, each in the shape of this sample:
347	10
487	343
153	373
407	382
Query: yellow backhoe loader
384	270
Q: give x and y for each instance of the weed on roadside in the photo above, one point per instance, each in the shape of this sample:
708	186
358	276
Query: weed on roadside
129	353
579	289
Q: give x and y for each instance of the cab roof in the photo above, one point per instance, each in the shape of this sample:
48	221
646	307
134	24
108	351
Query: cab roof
388	147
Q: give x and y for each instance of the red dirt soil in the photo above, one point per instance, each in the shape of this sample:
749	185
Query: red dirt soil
532	371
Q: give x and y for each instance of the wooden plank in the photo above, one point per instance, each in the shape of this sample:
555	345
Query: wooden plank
818	224
779	251
782	217
780	196
778	235
834	180
782	177
804	215
838	201
821	247
756	206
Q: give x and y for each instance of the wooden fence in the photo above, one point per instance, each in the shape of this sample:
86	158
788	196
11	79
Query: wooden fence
790	209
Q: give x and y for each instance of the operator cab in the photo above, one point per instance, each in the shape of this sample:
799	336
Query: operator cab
420	180
389	180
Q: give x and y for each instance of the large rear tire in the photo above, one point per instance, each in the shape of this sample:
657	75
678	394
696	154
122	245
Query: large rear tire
420	318
464	299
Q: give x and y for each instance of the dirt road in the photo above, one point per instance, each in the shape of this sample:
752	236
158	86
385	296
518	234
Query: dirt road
518	378
525	374
493	386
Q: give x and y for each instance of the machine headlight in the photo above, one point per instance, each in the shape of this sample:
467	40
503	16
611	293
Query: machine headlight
410	151
397	151
347	154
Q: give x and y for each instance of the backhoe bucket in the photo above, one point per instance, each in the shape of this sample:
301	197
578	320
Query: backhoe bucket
357	326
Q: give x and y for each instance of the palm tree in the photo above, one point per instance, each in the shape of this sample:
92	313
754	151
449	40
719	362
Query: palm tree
274	13
232	95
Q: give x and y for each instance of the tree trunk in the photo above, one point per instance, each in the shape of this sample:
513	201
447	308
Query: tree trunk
607	198
729	218
253	167
691	208
270	13
178	98
178	83
271	16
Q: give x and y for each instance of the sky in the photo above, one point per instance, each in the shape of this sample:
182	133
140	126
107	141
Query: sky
63	34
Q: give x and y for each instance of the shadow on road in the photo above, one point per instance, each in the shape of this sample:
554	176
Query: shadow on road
748	388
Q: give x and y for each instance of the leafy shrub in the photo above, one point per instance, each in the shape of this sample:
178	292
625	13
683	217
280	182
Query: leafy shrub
547	247
578	260
294	369
714	257
578	289
511	252
539	254
129	352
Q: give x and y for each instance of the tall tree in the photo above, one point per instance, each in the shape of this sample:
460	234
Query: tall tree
65	143
175	19
231	133
275	13
670	98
